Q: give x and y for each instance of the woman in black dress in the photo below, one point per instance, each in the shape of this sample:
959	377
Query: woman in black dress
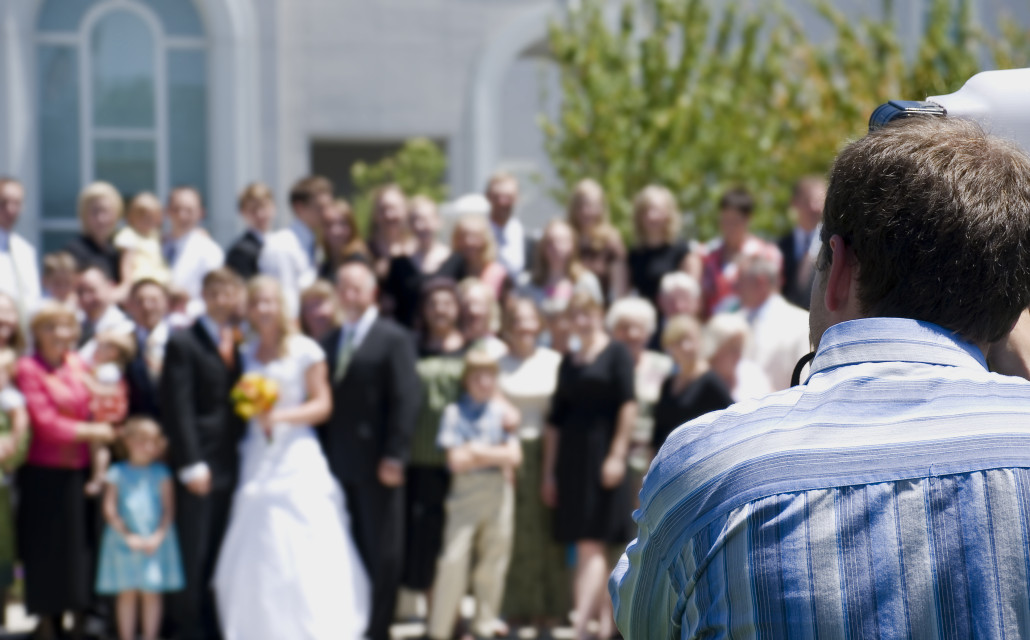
658	249
100	209
694	389
585	448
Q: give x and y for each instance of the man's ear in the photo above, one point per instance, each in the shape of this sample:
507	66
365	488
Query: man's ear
840	281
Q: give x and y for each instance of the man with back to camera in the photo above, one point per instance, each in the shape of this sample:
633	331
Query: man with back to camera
888	495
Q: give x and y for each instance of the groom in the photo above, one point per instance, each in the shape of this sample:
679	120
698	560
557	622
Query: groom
376	394
201	366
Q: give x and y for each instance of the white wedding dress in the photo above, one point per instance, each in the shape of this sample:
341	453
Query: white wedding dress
288	567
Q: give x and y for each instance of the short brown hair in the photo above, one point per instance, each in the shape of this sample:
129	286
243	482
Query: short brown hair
306	189
937	214
53	313
147	282
738	199
479	358
258	192
222	276
59	262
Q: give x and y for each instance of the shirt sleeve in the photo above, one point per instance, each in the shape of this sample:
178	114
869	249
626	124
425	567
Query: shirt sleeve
11	399
449	436
308	352
559	400
623	374
114	473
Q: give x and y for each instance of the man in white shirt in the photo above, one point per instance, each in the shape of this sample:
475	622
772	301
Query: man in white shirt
513	247
190	252
100	314
309	197
19	275
779	330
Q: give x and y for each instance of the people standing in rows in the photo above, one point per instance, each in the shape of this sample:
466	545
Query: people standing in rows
556	272
692	389
720	265
147	306
201	367
537	591
440	345
257	209
514	247
341	240
189	250
310	197
478	435
100	208
659	249
367	439
778	334
19	273
319	310
802	243
297	575
100	312
139	241
408	272
56	521
590	425
60	277
390	234
472	240
601	249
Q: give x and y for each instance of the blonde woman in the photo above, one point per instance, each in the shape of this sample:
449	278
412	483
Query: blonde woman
557	272
100	208
474	242
288	567
601	249
659	249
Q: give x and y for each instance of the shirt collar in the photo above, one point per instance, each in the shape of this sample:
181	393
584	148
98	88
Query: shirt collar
212	328
5	240
303	233
361	327
893	340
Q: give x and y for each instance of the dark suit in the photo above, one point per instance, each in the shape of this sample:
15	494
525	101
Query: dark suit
144	392
201	426
374	411
793	290
243	255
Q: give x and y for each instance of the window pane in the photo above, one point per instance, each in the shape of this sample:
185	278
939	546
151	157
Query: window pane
187	118
127	164
123	71
60	175
178	17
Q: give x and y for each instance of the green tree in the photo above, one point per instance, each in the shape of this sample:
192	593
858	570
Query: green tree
696	99
419	168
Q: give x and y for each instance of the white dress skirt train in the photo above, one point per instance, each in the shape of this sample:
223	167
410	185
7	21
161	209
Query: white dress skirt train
288	567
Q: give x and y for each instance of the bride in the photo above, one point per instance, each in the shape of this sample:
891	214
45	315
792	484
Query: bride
288	567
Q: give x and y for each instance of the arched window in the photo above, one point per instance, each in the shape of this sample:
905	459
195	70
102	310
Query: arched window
122	95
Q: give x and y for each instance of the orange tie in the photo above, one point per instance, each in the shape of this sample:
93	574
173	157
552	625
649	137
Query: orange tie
227	346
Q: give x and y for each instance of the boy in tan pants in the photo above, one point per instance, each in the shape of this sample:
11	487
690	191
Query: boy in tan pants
482	453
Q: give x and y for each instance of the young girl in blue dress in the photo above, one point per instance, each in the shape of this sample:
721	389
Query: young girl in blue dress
139	554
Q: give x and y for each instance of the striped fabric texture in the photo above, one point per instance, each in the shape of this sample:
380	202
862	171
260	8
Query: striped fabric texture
889	497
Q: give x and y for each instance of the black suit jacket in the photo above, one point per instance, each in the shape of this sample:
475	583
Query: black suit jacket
243	255
144	392
375	405
197	415
792	291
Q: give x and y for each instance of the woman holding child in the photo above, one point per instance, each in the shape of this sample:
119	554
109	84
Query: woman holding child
54	524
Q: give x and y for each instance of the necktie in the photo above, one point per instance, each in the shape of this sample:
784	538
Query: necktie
227	346
151	356
343	355
170	254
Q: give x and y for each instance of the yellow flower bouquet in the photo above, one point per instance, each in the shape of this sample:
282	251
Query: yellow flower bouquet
254	394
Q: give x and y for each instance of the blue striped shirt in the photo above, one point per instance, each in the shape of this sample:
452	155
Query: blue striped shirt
888	497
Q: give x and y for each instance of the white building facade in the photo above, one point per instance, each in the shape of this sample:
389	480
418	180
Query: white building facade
150	94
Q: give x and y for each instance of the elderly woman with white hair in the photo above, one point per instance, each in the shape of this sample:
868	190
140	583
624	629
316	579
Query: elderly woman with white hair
723	342
632	321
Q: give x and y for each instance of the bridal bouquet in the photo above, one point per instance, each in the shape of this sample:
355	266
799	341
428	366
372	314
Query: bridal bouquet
254	394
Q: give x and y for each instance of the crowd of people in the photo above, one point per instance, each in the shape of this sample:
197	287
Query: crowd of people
451	417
